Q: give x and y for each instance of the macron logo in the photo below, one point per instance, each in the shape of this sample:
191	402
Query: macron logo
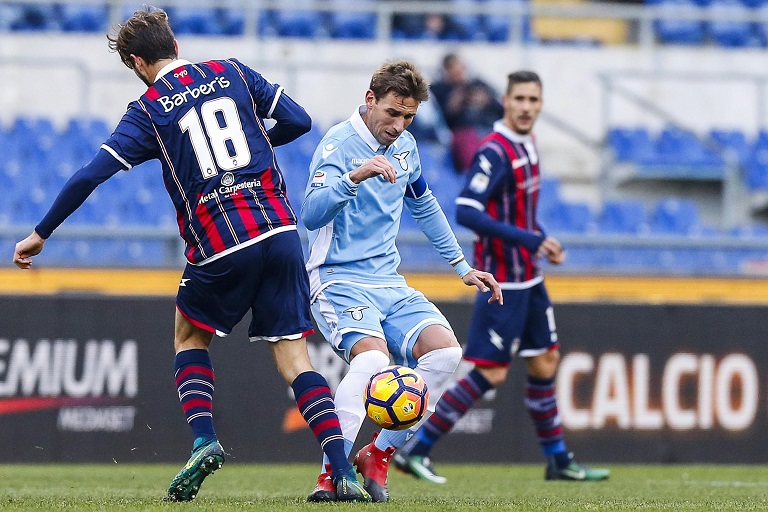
328	150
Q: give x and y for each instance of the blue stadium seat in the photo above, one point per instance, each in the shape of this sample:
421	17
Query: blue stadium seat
435	162
301	24
354	24
568	217
627	216
36	18
681	154
669	29
83	18
549	194
675	216
497	26
733	140
730	33
465	26
195	20
632	145
757	163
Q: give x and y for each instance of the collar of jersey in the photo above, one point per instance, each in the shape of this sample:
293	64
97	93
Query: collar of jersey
362	130
170	67
503	129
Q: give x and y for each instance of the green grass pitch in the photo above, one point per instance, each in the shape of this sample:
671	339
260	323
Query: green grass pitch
275	488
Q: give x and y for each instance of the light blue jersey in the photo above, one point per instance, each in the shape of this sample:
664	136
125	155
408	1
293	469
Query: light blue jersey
352	228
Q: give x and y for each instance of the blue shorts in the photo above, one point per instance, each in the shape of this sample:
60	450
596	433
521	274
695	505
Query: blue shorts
347	313
523	326
268	278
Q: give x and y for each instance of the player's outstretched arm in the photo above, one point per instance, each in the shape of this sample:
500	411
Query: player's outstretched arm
485	282
30	246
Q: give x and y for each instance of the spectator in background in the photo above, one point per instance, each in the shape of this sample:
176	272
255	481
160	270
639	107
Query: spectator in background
469	107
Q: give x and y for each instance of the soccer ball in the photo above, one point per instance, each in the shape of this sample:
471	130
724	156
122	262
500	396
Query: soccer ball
396	397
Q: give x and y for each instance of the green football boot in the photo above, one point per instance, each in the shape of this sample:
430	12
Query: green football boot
575	471
349	489
205	459
419	466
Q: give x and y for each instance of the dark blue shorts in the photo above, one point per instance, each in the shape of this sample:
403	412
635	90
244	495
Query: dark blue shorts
268	277
523	326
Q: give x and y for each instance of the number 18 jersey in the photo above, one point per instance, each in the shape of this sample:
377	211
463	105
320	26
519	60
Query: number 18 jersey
204	122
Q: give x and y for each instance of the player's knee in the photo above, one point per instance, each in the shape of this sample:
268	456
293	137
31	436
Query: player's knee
495	375
434	337
544	366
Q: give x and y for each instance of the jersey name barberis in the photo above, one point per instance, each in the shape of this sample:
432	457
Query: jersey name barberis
228	191
170	102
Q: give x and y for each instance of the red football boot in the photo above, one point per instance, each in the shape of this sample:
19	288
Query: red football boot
373	464
325	490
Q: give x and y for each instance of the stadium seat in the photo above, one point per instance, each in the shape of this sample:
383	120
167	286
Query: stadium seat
465	26
83	18
627	217
632	145
675	216
301	24
195	20
729	33
733	140
670	29
498	26
354	24
36	18
568	217
682	154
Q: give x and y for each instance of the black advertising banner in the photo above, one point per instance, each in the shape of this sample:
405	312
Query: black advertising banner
90	379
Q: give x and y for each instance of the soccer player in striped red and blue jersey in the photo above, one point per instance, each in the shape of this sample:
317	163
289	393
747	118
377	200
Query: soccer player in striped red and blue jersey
499	203
205	123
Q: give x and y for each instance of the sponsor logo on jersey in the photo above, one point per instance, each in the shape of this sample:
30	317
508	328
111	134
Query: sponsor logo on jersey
401	158
318	179
170	102
356	312
229	190
479	183
228	179
360	161
328	150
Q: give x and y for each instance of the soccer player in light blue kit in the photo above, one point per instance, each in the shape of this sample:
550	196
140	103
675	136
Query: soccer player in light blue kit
362	173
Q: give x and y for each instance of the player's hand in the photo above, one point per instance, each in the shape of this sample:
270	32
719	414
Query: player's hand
485	282
376	166
551	249
30	246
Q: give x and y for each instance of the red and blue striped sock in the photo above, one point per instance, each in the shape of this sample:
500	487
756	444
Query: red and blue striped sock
315	402
541	402
194	381
454	404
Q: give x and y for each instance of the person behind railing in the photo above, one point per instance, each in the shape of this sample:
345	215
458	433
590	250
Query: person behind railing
470	107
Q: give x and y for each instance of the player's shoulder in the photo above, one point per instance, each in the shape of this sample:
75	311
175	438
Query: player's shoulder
341	134
406	141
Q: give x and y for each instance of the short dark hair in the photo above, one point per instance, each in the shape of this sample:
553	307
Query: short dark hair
402	78
146	34
521	77
449	59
